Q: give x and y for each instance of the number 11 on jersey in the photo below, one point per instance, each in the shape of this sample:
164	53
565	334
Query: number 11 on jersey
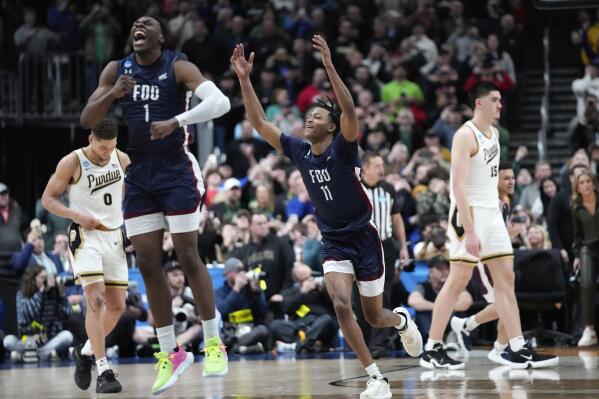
327	193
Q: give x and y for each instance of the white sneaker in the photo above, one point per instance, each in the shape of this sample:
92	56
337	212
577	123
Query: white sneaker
410	336
16	357
458	326
589	337
376	388
495	357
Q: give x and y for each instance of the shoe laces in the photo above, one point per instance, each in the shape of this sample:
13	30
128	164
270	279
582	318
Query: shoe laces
214	350
374	381
163	359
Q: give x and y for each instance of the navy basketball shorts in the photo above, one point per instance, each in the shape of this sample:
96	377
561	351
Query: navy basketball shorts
165	193
360	254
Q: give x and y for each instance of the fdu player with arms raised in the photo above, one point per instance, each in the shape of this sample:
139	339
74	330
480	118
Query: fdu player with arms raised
330	168
163	185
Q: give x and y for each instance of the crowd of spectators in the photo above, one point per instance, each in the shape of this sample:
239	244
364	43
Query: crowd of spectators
408	65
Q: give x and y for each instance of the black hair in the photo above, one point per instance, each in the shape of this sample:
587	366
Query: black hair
334	111
505	165
438	261
479	90
163	28
106	129
573	168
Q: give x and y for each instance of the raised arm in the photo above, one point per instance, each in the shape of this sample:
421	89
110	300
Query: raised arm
105	94
213	102
349	118
67	170
256	115
464	145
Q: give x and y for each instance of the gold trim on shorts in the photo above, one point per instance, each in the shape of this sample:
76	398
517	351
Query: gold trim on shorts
117	284
463	260
497	256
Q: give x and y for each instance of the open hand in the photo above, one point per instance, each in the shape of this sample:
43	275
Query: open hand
242	67
321	45
159	130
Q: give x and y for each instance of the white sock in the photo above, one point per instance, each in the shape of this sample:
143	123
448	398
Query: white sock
166	338
403	322
87	349
499	347
210	329
471	324
517	343
431	343
374	372
102	365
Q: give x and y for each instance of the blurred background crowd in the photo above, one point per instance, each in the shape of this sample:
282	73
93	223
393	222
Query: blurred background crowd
408	64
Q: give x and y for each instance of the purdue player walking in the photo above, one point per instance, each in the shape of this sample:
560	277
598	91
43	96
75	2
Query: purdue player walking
477	233
93	177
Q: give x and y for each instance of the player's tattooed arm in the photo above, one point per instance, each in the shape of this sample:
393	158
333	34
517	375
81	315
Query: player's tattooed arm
256	115
349	118
105	94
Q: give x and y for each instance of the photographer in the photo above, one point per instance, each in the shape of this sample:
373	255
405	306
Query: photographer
41	308
434	242
34	252
242	305
187	327
311	322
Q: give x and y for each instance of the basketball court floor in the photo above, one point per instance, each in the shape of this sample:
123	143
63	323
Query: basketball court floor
331	376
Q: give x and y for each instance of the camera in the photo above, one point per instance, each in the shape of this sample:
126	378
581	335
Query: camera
518	219
181	316
256	274
66	280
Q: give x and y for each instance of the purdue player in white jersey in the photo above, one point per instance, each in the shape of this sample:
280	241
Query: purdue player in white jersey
93	176
477	233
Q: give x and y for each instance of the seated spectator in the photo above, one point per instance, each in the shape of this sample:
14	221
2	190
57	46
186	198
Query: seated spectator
310	322
61	249
433	203
490	71
273	254
181	27
34	252
213	181
299	204
242	305
424	294
266	203
533	191
226	210
309	93
281	111
42	308
209	239
12	222
537	237
501	56
434	243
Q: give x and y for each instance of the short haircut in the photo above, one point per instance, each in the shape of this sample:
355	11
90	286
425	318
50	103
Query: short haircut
163	28
366	158
505	165
106	129
334	111
438	261
479	90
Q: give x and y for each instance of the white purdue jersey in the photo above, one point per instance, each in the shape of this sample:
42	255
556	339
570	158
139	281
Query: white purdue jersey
99	190
483	172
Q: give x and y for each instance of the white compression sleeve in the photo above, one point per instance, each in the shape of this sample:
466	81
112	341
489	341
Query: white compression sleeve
214	104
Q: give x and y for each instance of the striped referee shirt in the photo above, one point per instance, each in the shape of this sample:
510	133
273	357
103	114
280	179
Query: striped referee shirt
384	205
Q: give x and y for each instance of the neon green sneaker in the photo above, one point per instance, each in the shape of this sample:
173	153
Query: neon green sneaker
216	362
170	367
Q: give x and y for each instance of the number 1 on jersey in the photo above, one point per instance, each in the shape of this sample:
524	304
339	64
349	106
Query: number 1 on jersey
327	193
147	108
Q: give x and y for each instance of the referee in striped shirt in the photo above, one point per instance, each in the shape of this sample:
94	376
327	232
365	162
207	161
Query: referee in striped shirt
388	220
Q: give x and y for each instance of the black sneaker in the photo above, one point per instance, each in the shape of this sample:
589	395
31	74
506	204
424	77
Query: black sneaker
107	383
437	358
83	368
527	358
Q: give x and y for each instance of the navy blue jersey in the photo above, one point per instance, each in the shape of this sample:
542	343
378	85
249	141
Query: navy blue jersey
505	211
333	182
155	97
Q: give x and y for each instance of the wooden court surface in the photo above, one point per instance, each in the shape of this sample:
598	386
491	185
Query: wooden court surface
335	377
